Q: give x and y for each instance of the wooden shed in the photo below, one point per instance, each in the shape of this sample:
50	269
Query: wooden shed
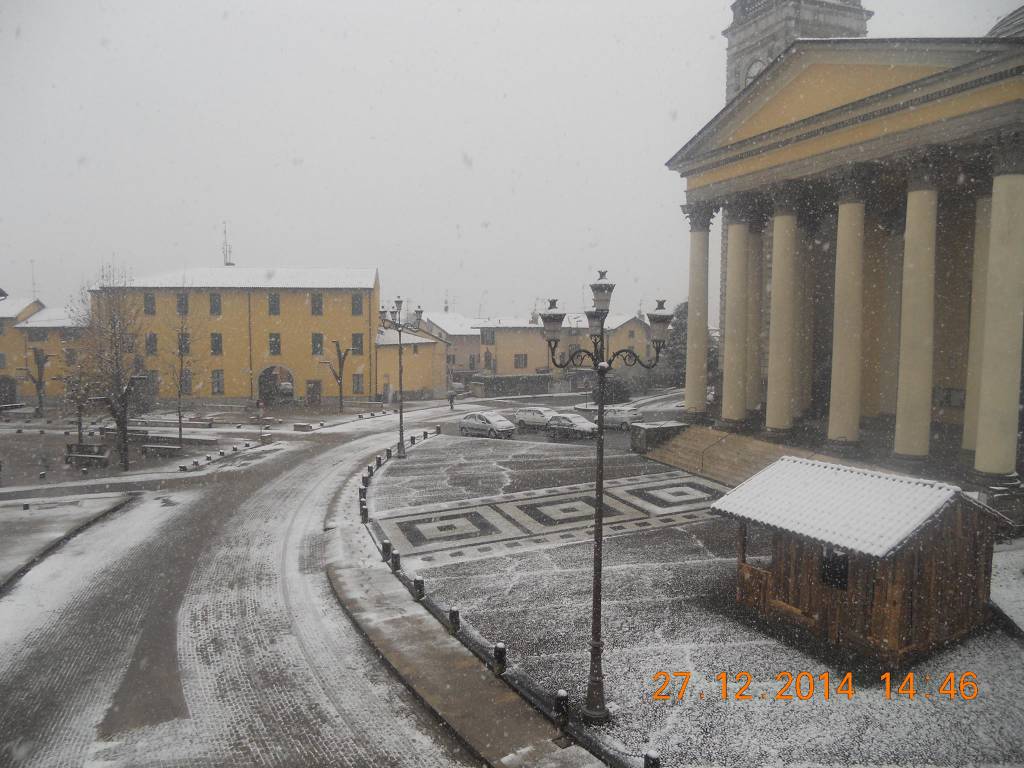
882	564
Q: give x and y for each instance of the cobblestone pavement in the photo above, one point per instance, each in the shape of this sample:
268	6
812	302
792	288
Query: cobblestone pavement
198	628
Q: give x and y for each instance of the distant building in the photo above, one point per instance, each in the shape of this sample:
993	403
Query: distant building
424	371
13	310
463	337
255	332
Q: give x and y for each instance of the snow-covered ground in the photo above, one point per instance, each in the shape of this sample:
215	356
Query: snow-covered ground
1008	580
669	605
27	533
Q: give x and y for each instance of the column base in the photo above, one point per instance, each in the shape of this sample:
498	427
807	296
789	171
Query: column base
1010	482
730	425
913	465
845	449
696	419
777	435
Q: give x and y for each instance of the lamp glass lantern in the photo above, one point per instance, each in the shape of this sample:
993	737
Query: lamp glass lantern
660	319
552	320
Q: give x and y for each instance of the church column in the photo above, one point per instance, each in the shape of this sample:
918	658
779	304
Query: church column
979	276
845	399
782	323
917	316
700	216
995	455
734	379
755	289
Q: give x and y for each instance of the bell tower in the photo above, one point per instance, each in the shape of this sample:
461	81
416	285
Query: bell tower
763	29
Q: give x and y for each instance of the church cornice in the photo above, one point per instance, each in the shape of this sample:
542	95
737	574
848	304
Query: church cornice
740	21
689	159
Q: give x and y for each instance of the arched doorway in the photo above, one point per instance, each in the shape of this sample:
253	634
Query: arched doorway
276	385
8	390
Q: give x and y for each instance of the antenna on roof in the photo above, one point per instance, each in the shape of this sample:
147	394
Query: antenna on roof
446	302
226	248
32	268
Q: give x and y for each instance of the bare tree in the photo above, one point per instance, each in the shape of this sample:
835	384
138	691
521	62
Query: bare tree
180	368
35	371
76	386
109	317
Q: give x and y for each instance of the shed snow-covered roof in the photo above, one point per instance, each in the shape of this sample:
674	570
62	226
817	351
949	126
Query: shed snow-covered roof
50	317
260	277
856	509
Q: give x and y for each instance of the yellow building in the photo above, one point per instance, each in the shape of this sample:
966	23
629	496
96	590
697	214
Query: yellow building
512	346
424	369
872	196
52	331
13	310
253	332
462	335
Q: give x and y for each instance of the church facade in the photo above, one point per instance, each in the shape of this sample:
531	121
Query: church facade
872	198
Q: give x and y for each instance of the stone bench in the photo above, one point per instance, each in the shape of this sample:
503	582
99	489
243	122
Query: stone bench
161	449
83	454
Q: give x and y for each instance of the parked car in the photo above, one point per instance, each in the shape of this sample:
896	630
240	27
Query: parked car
536	417
487	424
571	425
622	417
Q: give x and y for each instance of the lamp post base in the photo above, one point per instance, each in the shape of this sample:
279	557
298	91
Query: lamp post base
400	452
595	716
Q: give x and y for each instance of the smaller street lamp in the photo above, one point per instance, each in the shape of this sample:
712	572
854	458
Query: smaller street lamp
594	710
392	319
339	372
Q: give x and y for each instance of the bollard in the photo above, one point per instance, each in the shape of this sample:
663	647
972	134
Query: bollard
437	429
387	453
652	759
246	445
396	561
418	590
24	506
360	415
321	423
366	480
182	468
234	449
385	550
562	706
412	439
362	492
454	620
500	658
364	515
209	457
369	469
195	463
425	434
380	461
221	451
42	475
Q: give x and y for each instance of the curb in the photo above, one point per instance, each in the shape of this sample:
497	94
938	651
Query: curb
9	582
380	604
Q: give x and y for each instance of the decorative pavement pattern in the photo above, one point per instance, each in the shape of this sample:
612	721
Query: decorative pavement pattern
437	534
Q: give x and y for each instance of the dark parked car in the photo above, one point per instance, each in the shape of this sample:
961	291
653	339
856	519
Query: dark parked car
571	425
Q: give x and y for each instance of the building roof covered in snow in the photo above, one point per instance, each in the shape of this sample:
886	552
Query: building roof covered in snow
455	324
387	337
50	317
572	320
261	277
856	509
13	306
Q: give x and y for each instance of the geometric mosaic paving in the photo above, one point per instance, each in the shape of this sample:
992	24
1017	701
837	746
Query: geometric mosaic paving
437	534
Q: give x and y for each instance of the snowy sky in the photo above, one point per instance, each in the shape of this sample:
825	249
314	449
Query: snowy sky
499	150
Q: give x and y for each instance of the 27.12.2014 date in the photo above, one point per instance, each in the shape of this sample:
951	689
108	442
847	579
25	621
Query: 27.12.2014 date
803	686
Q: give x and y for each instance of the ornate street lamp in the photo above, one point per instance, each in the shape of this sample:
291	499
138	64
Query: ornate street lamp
393	319
594	710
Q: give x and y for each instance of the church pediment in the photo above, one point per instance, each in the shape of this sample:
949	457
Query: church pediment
816	79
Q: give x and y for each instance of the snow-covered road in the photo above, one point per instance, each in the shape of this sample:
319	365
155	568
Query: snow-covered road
198	628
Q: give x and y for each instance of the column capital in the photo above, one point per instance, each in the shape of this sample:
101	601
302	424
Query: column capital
786	198
1008	153
742	209
925	169
700	215
852	184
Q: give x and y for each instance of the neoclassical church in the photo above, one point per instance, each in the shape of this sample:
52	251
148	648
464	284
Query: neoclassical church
871	194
